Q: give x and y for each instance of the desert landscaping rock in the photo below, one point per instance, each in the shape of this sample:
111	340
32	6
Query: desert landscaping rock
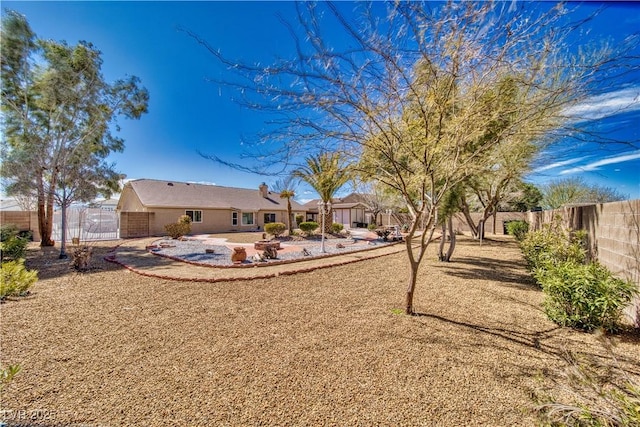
109	347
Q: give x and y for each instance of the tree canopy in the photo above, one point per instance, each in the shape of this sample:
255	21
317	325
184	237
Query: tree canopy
423	96
58	120
576	190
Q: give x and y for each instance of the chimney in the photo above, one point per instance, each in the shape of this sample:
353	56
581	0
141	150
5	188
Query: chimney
264	190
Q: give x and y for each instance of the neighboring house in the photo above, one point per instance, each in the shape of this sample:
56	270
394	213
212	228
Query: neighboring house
105	204
147	205
348	211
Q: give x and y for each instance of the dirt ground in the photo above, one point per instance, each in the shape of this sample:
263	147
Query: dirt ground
328	347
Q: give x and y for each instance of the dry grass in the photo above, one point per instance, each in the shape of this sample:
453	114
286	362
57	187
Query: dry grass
109	347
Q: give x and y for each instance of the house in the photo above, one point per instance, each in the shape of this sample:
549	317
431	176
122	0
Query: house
147	205
349	211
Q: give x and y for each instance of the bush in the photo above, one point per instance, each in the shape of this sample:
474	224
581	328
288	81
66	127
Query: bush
584	296
308	227
275	228
16	279
7	231
299	219
372	227
553	245
180	228
13	248
336	227
518	229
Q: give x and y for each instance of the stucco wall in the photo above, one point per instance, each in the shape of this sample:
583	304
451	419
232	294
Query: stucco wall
213	220
129	201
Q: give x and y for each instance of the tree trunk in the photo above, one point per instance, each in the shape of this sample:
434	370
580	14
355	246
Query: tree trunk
44	222
414	262
480	235
495	219
63	231
470	223
413	276
447	229
443	237
289	214
328	221
452	240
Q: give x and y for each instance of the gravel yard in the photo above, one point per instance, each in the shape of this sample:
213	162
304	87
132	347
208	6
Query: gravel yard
113	348
193	249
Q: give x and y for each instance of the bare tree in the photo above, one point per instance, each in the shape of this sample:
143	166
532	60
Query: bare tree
413	95
375	196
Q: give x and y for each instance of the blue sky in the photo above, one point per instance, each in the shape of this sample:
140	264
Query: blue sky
188	114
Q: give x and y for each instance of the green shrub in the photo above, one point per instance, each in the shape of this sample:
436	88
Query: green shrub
308	227
13	248
584	296
553	245
518	229
180	228
372	227
16	279
336	227
7	231
275	228
7	374
299	219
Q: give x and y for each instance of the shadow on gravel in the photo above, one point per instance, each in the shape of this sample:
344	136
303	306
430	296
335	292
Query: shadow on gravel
543	340
48	264
534	339
482	268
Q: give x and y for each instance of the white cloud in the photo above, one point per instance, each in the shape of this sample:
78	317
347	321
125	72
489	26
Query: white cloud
605	105
607	161
559	164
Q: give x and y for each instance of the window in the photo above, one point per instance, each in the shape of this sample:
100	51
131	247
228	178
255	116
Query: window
247	218
269	217
196	216
234	218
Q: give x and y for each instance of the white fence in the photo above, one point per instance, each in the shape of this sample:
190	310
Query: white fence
87	224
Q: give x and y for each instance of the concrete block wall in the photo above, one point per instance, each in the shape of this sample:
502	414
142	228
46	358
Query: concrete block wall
134	224
25	220
460	224
613	237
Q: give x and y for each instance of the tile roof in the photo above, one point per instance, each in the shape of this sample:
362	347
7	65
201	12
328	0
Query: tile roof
172	194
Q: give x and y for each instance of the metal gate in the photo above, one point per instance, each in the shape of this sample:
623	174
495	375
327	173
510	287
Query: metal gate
85	223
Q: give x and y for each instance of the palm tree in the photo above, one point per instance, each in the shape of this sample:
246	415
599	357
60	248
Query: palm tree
325	173
286	188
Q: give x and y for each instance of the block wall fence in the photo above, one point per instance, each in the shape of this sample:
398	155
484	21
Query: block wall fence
25	220
613	237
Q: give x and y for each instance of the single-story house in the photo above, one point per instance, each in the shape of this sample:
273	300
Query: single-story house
147	205
348	211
